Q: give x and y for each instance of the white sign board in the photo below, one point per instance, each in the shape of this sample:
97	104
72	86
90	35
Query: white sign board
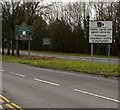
46	41
100	32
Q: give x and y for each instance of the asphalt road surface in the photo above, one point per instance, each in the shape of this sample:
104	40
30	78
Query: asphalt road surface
95	59
32	87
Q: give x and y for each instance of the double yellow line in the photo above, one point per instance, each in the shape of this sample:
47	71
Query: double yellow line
8	104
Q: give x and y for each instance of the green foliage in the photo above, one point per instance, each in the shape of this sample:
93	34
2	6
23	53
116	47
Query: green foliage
69	65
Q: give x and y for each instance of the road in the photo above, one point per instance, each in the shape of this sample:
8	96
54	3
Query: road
81	58
95	59
32	87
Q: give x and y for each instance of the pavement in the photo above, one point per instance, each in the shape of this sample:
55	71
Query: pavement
33	87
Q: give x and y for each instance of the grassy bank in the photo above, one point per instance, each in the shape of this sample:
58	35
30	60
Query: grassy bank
69	65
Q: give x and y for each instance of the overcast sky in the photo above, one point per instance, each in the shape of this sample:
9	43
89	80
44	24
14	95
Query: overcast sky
84	0
65	0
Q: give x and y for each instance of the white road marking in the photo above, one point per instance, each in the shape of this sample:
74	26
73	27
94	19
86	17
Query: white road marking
18	74
99	96
21	75
48	82
2	70
13	73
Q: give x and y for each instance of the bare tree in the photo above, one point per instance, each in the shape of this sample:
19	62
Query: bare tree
14	13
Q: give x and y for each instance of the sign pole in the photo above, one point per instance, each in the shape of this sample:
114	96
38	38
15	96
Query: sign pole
109	54
29	47
17	49
92	53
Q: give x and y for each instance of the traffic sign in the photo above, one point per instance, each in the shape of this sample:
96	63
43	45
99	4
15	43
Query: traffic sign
46	41
100	32
23	32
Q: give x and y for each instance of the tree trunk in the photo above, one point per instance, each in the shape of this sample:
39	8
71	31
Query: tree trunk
17	48
8	50
3	48
12	48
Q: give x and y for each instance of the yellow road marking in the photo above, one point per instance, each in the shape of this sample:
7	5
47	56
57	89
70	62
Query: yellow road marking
1	100
10	106
5	98
9	103
16	106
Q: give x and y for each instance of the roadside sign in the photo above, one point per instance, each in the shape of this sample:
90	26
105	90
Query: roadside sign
23	32
46	41
100	32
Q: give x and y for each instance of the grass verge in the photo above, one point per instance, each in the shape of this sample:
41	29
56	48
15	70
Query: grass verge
68	65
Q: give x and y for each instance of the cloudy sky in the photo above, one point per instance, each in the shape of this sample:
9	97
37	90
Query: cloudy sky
84	0
64	0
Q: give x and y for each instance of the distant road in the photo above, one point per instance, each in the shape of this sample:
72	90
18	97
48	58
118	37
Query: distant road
32	87
80	58
95	59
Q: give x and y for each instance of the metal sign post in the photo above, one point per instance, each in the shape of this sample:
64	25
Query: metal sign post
109	54
29	47
92	56
17	51
92	53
